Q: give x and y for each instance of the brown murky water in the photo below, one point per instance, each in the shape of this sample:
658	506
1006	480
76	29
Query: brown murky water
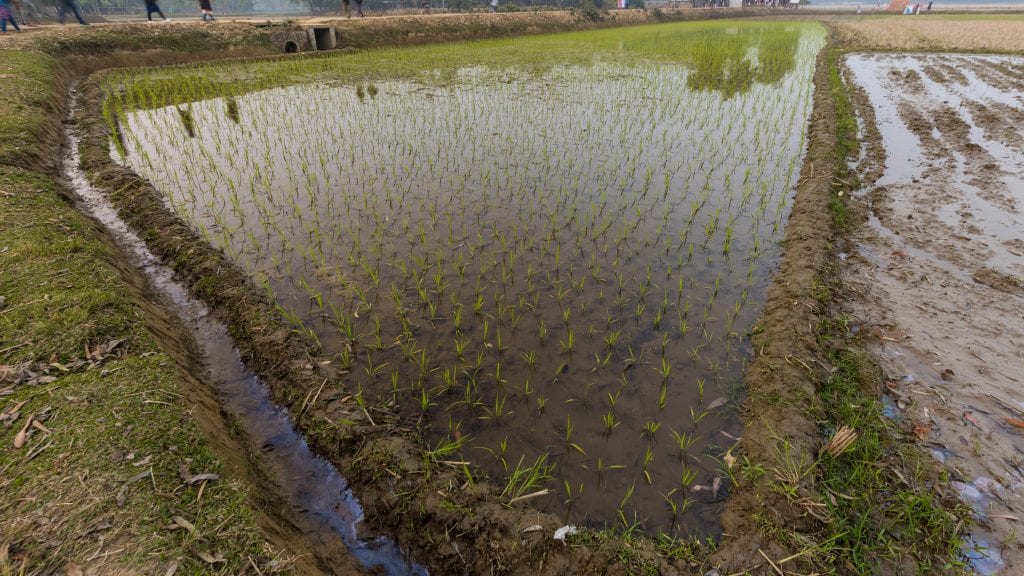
559	265
940	270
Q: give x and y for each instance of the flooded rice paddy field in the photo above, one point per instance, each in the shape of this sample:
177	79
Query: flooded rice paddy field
545	252
940	271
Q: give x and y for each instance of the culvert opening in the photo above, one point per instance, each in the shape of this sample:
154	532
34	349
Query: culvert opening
324	38
291	47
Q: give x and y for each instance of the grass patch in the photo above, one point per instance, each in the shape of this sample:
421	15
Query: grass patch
60	295
106	478
880	493
96	483
847	145
24	90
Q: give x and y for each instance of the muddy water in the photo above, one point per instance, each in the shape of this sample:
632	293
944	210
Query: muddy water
559	265
323	515
941	271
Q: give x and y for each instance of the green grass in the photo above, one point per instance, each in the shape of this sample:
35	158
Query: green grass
109	419
24	88
55	277
847	145
880	493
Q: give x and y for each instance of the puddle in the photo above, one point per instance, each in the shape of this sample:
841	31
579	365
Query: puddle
322	507
939	265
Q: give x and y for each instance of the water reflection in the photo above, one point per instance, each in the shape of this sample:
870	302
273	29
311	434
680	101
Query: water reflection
554	261
743	57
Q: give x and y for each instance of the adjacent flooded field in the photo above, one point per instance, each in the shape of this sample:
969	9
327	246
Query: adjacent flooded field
940	271
544	253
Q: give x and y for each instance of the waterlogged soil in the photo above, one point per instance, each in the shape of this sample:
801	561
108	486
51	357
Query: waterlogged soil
937	275
550	267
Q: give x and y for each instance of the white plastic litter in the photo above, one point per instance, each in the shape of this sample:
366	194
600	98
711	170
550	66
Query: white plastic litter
564	531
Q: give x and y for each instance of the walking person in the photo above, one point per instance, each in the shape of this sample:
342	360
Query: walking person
207	9
25	11
359	8
62	8
151	7
5	15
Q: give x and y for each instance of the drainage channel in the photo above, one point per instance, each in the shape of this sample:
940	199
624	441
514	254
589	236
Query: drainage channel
321	507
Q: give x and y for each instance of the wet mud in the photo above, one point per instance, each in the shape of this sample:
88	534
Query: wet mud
935	277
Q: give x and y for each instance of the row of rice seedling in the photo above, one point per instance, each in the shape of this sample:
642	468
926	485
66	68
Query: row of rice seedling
548	260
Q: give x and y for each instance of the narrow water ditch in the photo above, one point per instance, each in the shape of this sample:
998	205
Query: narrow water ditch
319	514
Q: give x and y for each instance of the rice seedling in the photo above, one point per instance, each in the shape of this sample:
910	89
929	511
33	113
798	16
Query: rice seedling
434	240
651	428
526	478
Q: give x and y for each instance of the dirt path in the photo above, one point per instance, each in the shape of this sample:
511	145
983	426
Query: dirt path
937	277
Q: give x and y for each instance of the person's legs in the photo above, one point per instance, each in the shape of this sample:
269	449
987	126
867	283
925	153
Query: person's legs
74	10
29	13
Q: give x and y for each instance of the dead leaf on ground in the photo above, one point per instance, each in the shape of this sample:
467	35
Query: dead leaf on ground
11	413
211	558
716	403
970	418
1015	422
206	477
729	459
183	523
98	526
122	493
22	436
101	351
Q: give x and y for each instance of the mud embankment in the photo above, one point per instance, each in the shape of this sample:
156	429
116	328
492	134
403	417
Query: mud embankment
780	433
